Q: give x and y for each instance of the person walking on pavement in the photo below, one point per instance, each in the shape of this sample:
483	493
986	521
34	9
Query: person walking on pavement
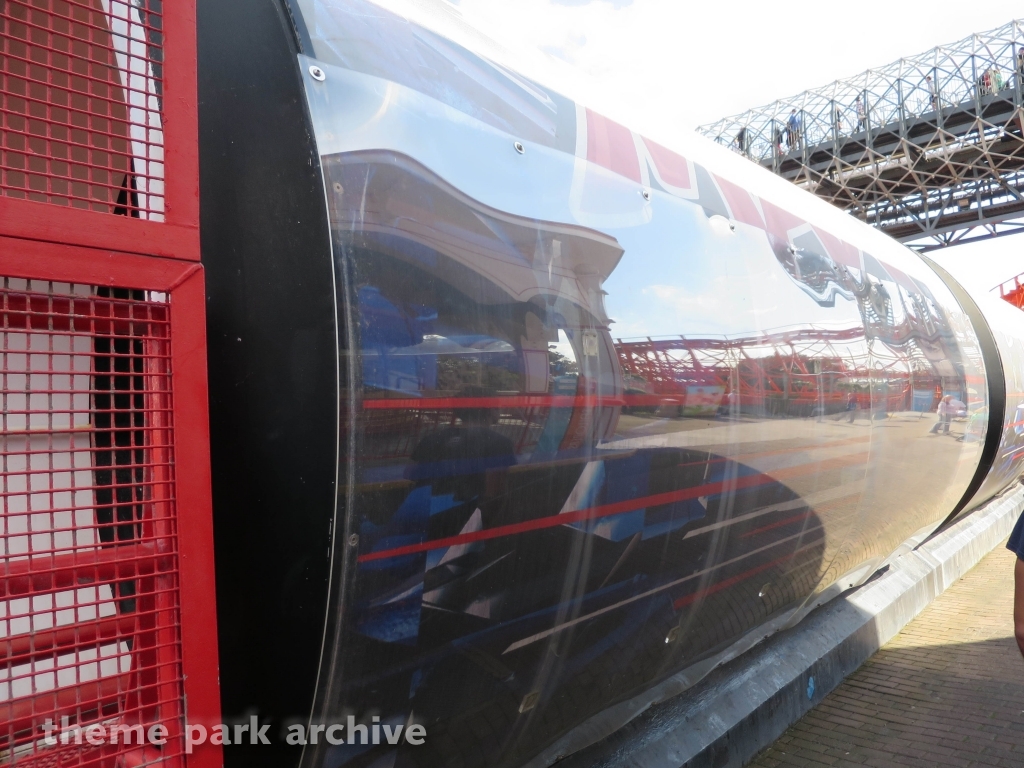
851	407
945	415
1016	545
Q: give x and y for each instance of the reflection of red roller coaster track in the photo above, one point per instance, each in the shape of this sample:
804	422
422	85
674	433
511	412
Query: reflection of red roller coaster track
784	366
789	372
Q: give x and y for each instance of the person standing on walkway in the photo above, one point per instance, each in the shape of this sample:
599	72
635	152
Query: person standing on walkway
741	140
933	95
859	106
945	414
851	407
794	129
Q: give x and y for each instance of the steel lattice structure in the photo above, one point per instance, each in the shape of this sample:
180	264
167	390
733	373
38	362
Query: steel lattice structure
929	149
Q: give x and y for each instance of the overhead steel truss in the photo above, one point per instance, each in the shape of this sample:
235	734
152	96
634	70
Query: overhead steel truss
929	149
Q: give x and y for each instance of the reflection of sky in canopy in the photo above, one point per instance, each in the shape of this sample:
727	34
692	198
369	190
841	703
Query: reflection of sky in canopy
678	276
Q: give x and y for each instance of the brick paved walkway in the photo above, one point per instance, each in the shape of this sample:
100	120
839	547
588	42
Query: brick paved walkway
947	691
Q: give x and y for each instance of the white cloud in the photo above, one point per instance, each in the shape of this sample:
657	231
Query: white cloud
669	65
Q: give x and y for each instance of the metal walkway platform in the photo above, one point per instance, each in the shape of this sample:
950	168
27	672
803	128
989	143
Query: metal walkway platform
929	149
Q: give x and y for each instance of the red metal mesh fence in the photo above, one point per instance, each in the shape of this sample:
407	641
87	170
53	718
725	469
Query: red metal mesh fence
80	104
89	603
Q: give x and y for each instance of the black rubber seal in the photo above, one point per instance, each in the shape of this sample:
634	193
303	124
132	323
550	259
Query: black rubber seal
273	361
996	381
303	41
